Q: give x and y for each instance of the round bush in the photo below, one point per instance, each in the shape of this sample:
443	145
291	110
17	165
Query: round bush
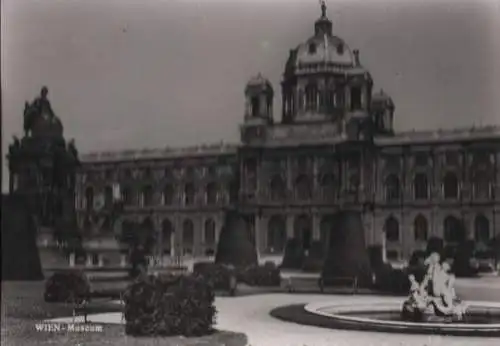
168	306
67	286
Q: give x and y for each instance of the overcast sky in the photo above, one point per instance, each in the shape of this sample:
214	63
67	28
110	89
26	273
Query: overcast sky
152	73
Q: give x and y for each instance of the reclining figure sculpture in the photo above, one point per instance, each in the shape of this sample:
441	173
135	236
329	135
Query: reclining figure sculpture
434	298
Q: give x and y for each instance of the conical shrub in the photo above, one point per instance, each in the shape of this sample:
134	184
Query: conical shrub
347	255
235	246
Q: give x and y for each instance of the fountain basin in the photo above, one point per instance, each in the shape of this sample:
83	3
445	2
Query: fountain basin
482	318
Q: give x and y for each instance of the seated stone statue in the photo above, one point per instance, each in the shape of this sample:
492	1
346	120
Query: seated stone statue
435	296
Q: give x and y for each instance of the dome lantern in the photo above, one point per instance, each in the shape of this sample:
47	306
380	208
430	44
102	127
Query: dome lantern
323	26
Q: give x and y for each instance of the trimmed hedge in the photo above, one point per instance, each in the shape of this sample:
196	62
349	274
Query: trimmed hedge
218	276
67	287
169	305
264	276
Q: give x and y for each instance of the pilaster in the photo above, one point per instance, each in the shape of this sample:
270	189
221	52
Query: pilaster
289	225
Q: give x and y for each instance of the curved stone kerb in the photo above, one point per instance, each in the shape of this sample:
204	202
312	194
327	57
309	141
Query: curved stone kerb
335	312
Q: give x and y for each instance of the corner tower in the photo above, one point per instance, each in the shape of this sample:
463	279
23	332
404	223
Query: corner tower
259	96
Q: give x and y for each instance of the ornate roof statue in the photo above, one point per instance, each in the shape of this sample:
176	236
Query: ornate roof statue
40	119
323	8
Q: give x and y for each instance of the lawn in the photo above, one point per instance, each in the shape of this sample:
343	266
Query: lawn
23	307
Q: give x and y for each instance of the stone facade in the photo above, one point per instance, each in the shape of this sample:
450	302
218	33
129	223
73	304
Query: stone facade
334	148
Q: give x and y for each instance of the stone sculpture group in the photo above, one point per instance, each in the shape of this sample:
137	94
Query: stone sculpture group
434	298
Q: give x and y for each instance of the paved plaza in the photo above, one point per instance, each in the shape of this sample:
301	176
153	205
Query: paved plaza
250	315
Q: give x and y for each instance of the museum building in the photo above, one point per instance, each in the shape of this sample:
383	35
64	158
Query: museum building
333	148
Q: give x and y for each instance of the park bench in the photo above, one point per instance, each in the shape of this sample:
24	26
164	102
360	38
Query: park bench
351	282
80	306
293	281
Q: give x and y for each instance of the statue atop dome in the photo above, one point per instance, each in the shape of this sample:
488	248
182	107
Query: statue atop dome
323	8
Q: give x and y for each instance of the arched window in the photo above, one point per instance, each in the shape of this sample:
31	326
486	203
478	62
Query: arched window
148	224
392	188
329	99
454	231
481	185
233	192
127	173
311	97
211	193
481	229
147	196
421	228
127	229
327	184
167	173
356	97
302	230
276	234
188	236
147	173
250	169
353	183
303	188
278	188
167	232
450	186
255	105
210	232
127	195
421	187
168	195
392	229
107	226
108	196
189	194
89	198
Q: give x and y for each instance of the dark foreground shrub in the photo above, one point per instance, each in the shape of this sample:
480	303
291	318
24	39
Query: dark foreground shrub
67	286
390	280
218	276
265	276
168	306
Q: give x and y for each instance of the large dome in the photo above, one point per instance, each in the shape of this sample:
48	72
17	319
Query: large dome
324	49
